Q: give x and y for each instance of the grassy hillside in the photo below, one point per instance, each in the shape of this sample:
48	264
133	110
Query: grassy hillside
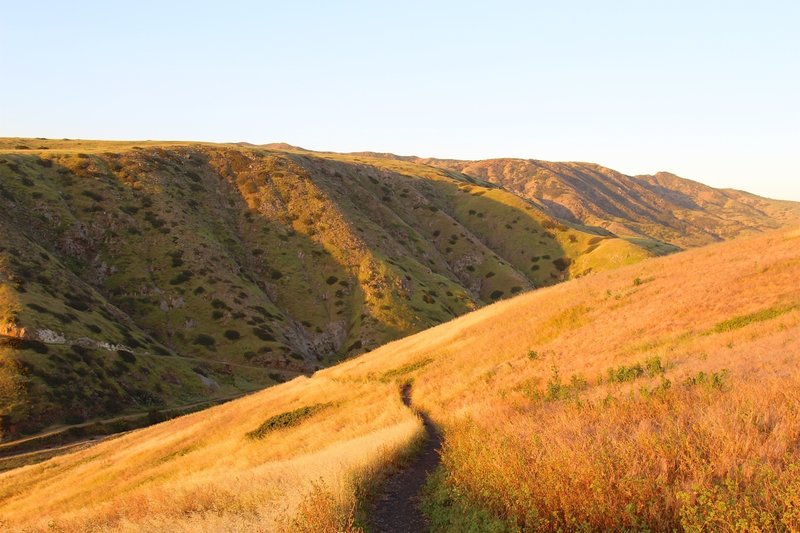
141	277
662	207
661	395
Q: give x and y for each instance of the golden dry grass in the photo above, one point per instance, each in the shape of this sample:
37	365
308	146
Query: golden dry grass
663	451
201	471
667	448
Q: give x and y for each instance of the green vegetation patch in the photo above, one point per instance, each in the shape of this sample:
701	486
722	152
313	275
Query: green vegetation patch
287	420
713	380
447	509
406	369
556	390
752	318
651	367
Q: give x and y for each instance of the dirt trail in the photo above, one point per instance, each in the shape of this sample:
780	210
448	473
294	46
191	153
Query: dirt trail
397	508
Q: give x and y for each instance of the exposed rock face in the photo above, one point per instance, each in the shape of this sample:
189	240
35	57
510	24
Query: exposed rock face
50	337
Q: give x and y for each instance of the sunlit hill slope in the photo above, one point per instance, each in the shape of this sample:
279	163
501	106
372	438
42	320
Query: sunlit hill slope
662	206
144	277
663	395
136	278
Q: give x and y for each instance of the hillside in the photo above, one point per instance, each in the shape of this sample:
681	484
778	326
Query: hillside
661	395
139	279
664	207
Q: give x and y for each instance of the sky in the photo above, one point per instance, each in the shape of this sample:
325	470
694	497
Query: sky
709	90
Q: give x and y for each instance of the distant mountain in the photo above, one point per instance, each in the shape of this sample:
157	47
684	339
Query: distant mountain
663	206
137	277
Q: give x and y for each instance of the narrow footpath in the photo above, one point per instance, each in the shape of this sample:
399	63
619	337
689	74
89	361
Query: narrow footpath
397	509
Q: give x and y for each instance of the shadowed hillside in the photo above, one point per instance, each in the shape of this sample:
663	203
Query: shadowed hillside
144	278
658	396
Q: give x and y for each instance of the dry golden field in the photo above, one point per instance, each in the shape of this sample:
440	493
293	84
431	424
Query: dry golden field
664	395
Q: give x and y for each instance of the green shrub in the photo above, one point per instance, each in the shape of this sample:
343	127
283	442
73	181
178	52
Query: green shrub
263	334
79	303
286	420
625	373
120	367
714	380
406	369
159	350
205	340
26	344
93	195
177	259
556	390
759	316
127	356
38	308
183	277
651	367
153	219
357	345
132	342
562	263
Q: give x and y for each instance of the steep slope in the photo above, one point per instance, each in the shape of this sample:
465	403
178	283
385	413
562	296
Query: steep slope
138	277
661	396
662	207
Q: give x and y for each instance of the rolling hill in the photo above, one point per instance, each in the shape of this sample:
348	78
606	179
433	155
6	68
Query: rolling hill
139	279
662	206
661	395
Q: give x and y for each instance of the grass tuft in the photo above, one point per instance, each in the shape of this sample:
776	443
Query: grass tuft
752	318
286	420
406	369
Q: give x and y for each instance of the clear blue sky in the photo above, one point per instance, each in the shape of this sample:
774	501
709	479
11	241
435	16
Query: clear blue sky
708	90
